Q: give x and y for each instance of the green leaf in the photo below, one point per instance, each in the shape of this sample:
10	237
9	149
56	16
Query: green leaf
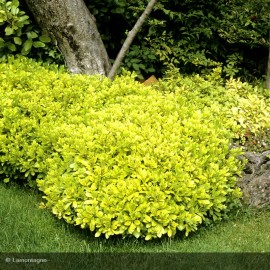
27	45
17	40
32	35
2	43
14	11
38	44
6	180
151	56
9	30
15	3
23	18
45	39
136	66
12	47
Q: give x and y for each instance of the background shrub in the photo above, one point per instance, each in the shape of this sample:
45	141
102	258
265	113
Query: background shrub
118	157
243	107
21	35
194	36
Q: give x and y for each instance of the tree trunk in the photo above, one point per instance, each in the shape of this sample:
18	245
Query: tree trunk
268	68
72	27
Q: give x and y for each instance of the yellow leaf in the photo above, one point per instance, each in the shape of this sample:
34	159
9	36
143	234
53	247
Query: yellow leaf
97	234
92	225
169	233
131	228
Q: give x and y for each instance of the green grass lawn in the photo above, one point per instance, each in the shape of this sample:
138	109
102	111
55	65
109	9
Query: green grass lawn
27	228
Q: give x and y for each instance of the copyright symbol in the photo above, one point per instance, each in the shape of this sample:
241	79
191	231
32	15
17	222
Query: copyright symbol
8	260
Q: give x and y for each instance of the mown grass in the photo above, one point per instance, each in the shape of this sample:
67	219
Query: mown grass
27	228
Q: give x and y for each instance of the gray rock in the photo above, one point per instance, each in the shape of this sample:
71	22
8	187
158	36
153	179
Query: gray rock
255	180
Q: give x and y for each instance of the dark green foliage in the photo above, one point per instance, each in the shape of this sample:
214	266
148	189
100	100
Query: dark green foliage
20	35
194	36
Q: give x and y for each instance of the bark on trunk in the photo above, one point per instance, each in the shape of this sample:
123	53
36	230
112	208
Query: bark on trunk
70	24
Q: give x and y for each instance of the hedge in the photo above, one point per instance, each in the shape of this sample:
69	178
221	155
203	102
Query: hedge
120	158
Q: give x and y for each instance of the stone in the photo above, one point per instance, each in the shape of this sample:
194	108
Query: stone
255	180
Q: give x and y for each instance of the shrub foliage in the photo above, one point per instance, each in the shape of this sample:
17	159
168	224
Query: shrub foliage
118	157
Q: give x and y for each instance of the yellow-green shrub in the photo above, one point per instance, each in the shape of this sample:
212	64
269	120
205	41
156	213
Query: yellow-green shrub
117	157
244	109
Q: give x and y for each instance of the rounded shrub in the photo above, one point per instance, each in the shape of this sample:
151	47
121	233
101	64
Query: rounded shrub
116	157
